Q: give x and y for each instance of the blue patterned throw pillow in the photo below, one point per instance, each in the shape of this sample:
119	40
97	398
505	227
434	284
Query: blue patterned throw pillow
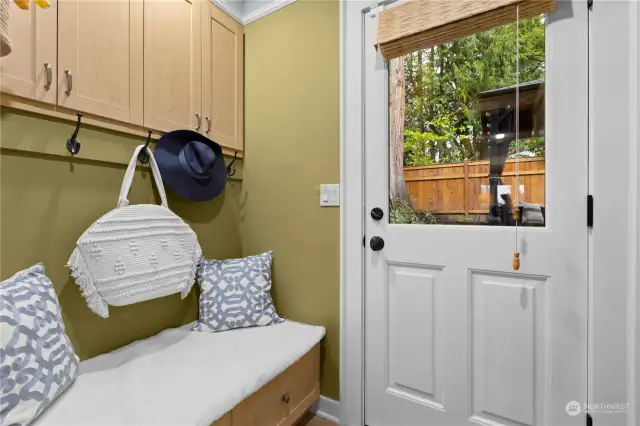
235	293
37	361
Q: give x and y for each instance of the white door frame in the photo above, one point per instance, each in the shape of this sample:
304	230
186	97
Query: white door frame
614	144
352	16
614	370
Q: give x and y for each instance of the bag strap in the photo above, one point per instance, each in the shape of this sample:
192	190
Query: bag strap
128	178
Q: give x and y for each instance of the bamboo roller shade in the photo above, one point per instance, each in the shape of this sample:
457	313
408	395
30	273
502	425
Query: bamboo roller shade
421	24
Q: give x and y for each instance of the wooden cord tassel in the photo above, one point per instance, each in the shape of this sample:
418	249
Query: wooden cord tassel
516	260
516	183
516	209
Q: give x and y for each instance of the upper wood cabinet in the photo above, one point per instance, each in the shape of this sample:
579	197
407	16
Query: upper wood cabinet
172	58
100	66
222	77
134	64
30	70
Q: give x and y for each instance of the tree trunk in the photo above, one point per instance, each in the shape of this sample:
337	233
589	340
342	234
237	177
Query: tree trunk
419	94
397	188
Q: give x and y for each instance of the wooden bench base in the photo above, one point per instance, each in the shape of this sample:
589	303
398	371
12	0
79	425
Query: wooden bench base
284	400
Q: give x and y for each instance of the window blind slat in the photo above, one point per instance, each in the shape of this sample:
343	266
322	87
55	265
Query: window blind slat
421	24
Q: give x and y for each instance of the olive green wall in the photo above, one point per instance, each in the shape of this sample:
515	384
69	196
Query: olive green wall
291	147
46	202
292	122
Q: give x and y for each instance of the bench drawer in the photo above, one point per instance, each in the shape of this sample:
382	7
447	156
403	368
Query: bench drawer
299	381
283	400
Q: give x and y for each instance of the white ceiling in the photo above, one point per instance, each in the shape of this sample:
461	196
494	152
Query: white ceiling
246	11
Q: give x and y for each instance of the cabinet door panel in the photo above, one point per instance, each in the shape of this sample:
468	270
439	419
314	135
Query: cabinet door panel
172	54
33	36
100	43
222	57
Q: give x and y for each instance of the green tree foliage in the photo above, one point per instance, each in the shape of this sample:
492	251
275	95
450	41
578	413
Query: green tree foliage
529	147
402	212
442	116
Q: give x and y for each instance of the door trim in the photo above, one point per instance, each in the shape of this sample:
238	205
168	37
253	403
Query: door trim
352	14
352	218
614	105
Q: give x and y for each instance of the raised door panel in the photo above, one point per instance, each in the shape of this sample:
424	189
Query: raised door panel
222	59
173	68
414	296
100	58
30	69
509	371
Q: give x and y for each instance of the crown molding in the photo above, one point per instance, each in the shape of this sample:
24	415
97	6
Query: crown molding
228	7
269	7
236	9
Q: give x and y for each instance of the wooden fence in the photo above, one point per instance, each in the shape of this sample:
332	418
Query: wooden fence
463	188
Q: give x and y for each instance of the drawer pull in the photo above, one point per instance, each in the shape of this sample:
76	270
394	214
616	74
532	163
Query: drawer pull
208	120
69	82
286	398
48	75
198	121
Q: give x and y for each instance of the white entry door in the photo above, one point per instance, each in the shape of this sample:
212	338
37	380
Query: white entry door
453	334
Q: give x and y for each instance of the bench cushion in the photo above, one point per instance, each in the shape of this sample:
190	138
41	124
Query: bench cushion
180	377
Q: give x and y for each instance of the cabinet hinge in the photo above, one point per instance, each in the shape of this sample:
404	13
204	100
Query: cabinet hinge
589	420
590	211
589	4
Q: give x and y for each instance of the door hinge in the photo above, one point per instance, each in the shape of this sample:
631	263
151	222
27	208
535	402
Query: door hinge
589	4
590	211
589	420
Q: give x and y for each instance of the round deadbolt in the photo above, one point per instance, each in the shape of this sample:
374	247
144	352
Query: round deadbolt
376	243
377	213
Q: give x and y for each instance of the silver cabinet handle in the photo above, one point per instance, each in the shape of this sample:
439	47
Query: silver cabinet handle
69	82
48	75
208	124
198	120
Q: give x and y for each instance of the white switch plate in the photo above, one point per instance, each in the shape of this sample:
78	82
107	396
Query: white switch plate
330	195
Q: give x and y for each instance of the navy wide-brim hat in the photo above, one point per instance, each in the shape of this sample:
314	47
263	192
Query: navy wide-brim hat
191	164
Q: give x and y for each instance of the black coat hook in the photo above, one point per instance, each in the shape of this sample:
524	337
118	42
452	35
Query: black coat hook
143	157
231	170
73	144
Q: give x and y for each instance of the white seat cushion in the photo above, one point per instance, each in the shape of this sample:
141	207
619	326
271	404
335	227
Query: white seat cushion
180	377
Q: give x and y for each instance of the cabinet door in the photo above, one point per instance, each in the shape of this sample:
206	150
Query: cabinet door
222	82
100	58
172	58
26	70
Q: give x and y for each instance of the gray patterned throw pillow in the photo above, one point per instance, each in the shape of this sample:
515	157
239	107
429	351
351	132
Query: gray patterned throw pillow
37	361
235	293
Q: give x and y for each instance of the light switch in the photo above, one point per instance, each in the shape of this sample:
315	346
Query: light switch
329	195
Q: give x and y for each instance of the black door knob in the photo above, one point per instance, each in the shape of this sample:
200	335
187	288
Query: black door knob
376	243
377	213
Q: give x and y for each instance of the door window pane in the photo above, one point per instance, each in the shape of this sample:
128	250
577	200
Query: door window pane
467	140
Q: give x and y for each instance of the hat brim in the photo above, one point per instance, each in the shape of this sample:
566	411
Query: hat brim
176	178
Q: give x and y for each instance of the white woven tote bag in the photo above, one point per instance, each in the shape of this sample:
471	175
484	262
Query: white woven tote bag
135	253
